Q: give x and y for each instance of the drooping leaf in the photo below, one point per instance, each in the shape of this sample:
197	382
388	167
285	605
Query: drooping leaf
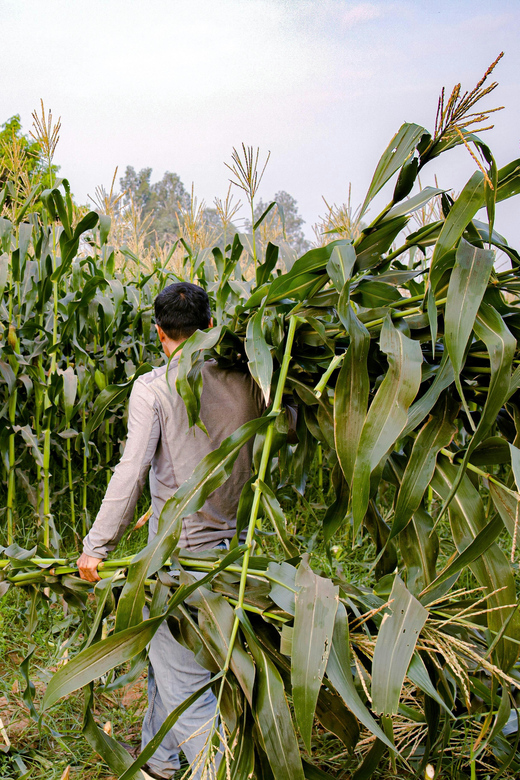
340	675
435	434
419	545
335	717
216	620
98	659
191	361
112	395
316	605
470	200
467	286
395	645
259	355
210	473
387	414
351	395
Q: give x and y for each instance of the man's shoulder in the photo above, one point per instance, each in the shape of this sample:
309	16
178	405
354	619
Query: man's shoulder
155	375
145	385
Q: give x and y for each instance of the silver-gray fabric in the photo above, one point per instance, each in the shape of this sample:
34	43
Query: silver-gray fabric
159	437
173	675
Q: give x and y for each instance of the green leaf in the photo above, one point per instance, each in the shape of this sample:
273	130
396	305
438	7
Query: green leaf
507	506
490	328
418	675
112	395
104	228
301	280
282	577
216	619
468	283
515	463
400	148
376	241
70	386
98	659
313	772
435	434
316	605
388	412
189	380
340	265
335	717
114	754
470	200
337	511
419	545
340	675
4	269
271	711
259	355
351	395
412	204
264	215
508	180
395	645
475	549
264	270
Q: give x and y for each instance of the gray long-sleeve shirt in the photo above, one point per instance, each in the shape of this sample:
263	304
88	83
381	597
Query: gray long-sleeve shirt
159	437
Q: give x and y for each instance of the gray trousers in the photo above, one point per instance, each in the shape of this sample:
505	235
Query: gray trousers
173	675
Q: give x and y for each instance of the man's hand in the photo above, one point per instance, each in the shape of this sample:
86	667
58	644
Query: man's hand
87	566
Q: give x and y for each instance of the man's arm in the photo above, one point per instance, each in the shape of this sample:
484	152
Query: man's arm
118	507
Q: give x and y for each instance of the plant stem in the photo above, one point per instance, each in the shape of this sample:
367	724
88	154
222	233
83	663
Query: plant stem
11	483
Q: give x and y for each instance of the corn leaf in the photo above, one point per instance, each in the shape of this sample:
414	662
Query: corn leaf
388	413
316	605
351	395
259	355
470	200
400	148
395	645
340	675
435	434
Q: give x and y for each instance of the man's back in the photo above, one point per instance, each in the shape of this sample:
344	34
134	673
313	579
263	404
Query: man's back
159	435
229	399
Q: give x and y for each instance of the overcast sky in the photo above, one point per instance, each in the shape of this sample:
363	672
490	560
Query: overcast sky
322	84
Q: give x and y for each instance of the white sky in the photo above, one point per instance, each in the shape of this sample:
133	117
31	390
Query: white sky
322	84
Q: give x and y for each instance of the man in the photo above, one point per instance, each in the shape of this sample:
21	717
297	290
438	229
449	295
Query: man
159	436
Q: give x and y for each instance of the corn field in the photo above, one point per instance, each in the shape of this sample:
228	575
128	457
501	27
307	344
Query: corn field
396	344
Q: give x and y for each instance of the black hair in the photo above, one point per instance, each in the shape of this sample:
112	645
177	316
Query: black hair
181	309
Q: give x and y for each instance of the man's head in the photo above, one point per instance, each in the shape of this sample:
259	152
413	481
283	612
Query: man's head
180	310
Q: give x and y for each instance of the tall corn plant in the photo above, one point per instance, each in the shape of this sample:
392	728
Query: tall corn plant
404	373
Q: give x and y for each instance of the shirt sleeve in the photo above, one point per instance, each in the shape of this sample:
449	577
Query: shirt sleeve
118	507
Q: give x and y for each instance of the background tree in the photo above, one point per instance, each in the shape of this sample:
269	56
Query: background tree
273	227
163	199
23	164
